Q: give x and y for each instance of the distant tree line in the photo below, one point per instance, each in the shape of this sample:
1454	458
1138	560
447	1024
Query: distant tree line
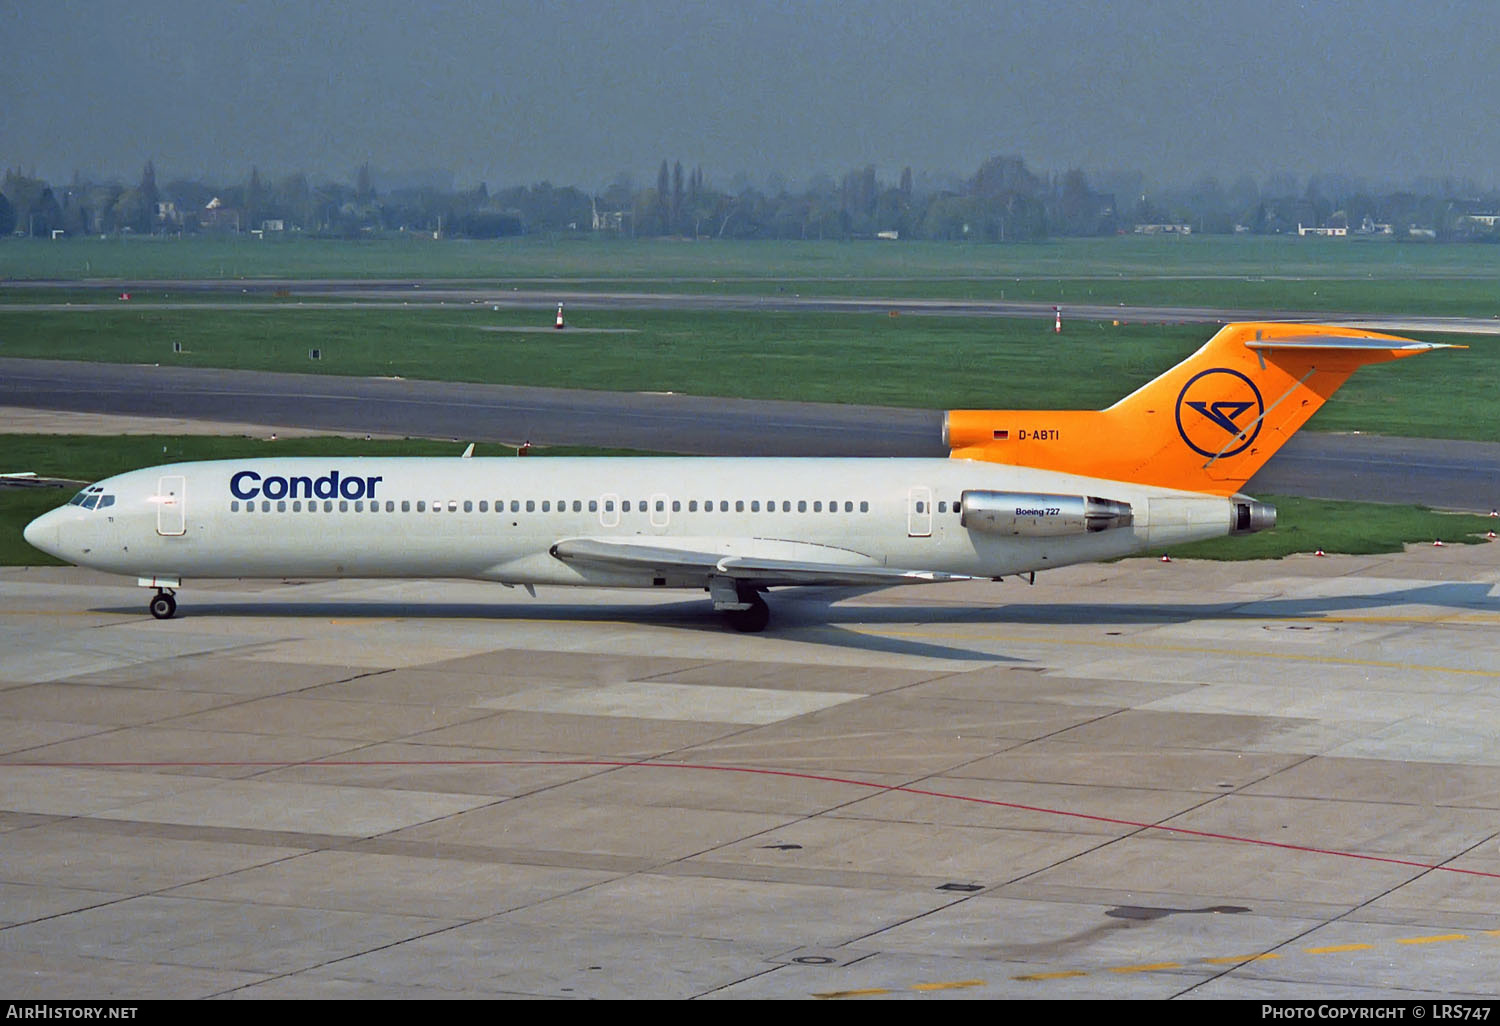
1002	201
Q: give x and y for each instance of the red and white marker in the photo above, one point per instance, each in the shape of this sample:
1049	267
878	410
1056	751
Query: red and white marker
1057	327
559	324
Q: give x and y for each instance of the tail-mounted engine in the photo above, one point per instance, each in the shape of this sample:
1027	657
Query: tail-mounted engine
1033	515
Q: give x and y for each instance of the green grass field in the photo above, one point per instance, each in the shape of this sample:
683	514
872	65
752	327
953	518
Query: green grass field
630	259
1270	273
923	362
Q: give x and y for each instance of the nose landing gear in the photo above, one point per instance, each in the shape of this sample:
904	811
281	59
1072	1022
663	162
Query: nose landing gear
163	605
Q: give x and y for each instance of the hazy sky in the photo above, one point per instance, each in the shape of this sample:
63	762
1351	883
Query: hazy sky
511	92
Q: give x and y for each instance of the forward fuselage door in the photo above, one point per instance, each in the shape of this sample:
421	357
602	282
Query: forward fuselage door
919	513
171	510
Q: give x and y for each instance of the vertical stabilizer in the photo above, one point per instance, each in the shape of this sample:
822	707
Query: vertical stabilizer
1206	425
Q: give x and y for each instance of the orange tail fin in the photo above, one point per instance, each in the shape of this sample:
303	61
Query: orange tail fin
1206	425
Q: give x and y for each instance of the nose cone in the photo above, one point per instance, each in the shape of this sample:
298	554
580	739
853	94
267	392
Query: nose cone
42	533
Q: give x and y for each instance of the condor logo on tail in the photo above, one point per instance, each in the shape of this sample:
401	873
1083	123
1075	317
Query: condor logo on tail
1219	412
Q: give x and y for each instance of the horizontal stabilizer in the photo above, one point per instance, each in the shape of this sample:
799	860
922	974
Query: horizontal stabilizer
1331	342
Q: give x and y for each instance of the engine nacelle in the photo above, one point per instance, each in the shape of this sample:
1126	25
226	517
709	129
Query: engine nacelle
1251	516
1035	515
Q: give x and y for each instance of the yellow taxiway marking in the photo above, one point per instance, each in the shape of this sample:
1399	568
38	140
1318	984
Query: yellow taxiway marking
1334	948
955	985
853	993
1154	967
1435	939
1236	959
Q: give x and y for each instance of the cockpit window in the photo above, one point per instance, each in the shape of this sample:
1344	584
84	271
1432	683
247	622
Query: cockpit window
92	497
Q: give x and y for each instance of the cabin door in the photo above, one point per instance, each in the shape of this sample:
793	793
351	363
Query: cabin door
171	513
919	513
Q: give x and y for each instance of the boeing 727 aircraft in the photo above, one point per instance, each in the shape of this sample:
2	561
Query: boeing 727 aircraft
1022	491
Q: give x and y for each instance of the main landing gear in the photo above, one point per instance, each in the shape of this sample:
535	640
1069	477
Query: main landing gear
753	618
163	604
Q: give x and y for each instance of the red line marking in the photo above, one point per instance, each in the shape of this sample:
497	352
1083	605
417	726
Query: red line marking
791	774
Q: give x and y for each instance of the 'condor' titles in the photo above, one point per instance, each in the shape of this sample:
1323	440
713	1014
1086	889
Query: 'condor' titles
247	484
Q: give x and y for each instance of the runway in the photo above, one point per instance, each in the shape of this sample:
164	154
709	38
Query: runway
1267	781
1440	474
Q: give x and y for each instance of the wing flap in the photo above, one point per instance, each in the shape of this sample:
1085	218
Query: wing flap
747	566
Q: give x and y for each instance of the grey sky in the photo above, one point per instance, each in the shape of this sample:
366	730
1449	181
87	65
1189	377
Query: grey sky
514	92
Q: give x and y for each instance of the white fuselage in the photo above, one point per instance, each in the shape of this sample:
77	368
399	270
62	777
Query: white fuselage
500	518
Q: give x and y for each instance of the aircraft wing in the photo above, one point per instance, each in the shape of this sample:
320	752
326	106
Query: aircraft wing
763	570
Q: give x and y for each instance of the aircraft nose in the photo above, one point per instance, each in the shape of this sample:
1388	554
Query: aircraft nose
43	533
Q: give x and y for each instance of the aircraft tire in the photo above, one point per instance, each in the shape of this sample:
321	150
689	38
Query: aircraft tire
752	620
163	606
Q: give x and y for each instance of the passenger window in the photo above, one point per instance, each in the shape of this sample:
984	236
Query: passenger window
421	506
676	505
609	505
484	505
848	506
754	505
531	505
723	505
786	505
625	506
864	506
468	506
593	505
577	506
546	505
281	505
661	506
265	505
406	505
943	506
692	505
234	506
452	505
958	507
515	505
343	505
801	505
817	505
